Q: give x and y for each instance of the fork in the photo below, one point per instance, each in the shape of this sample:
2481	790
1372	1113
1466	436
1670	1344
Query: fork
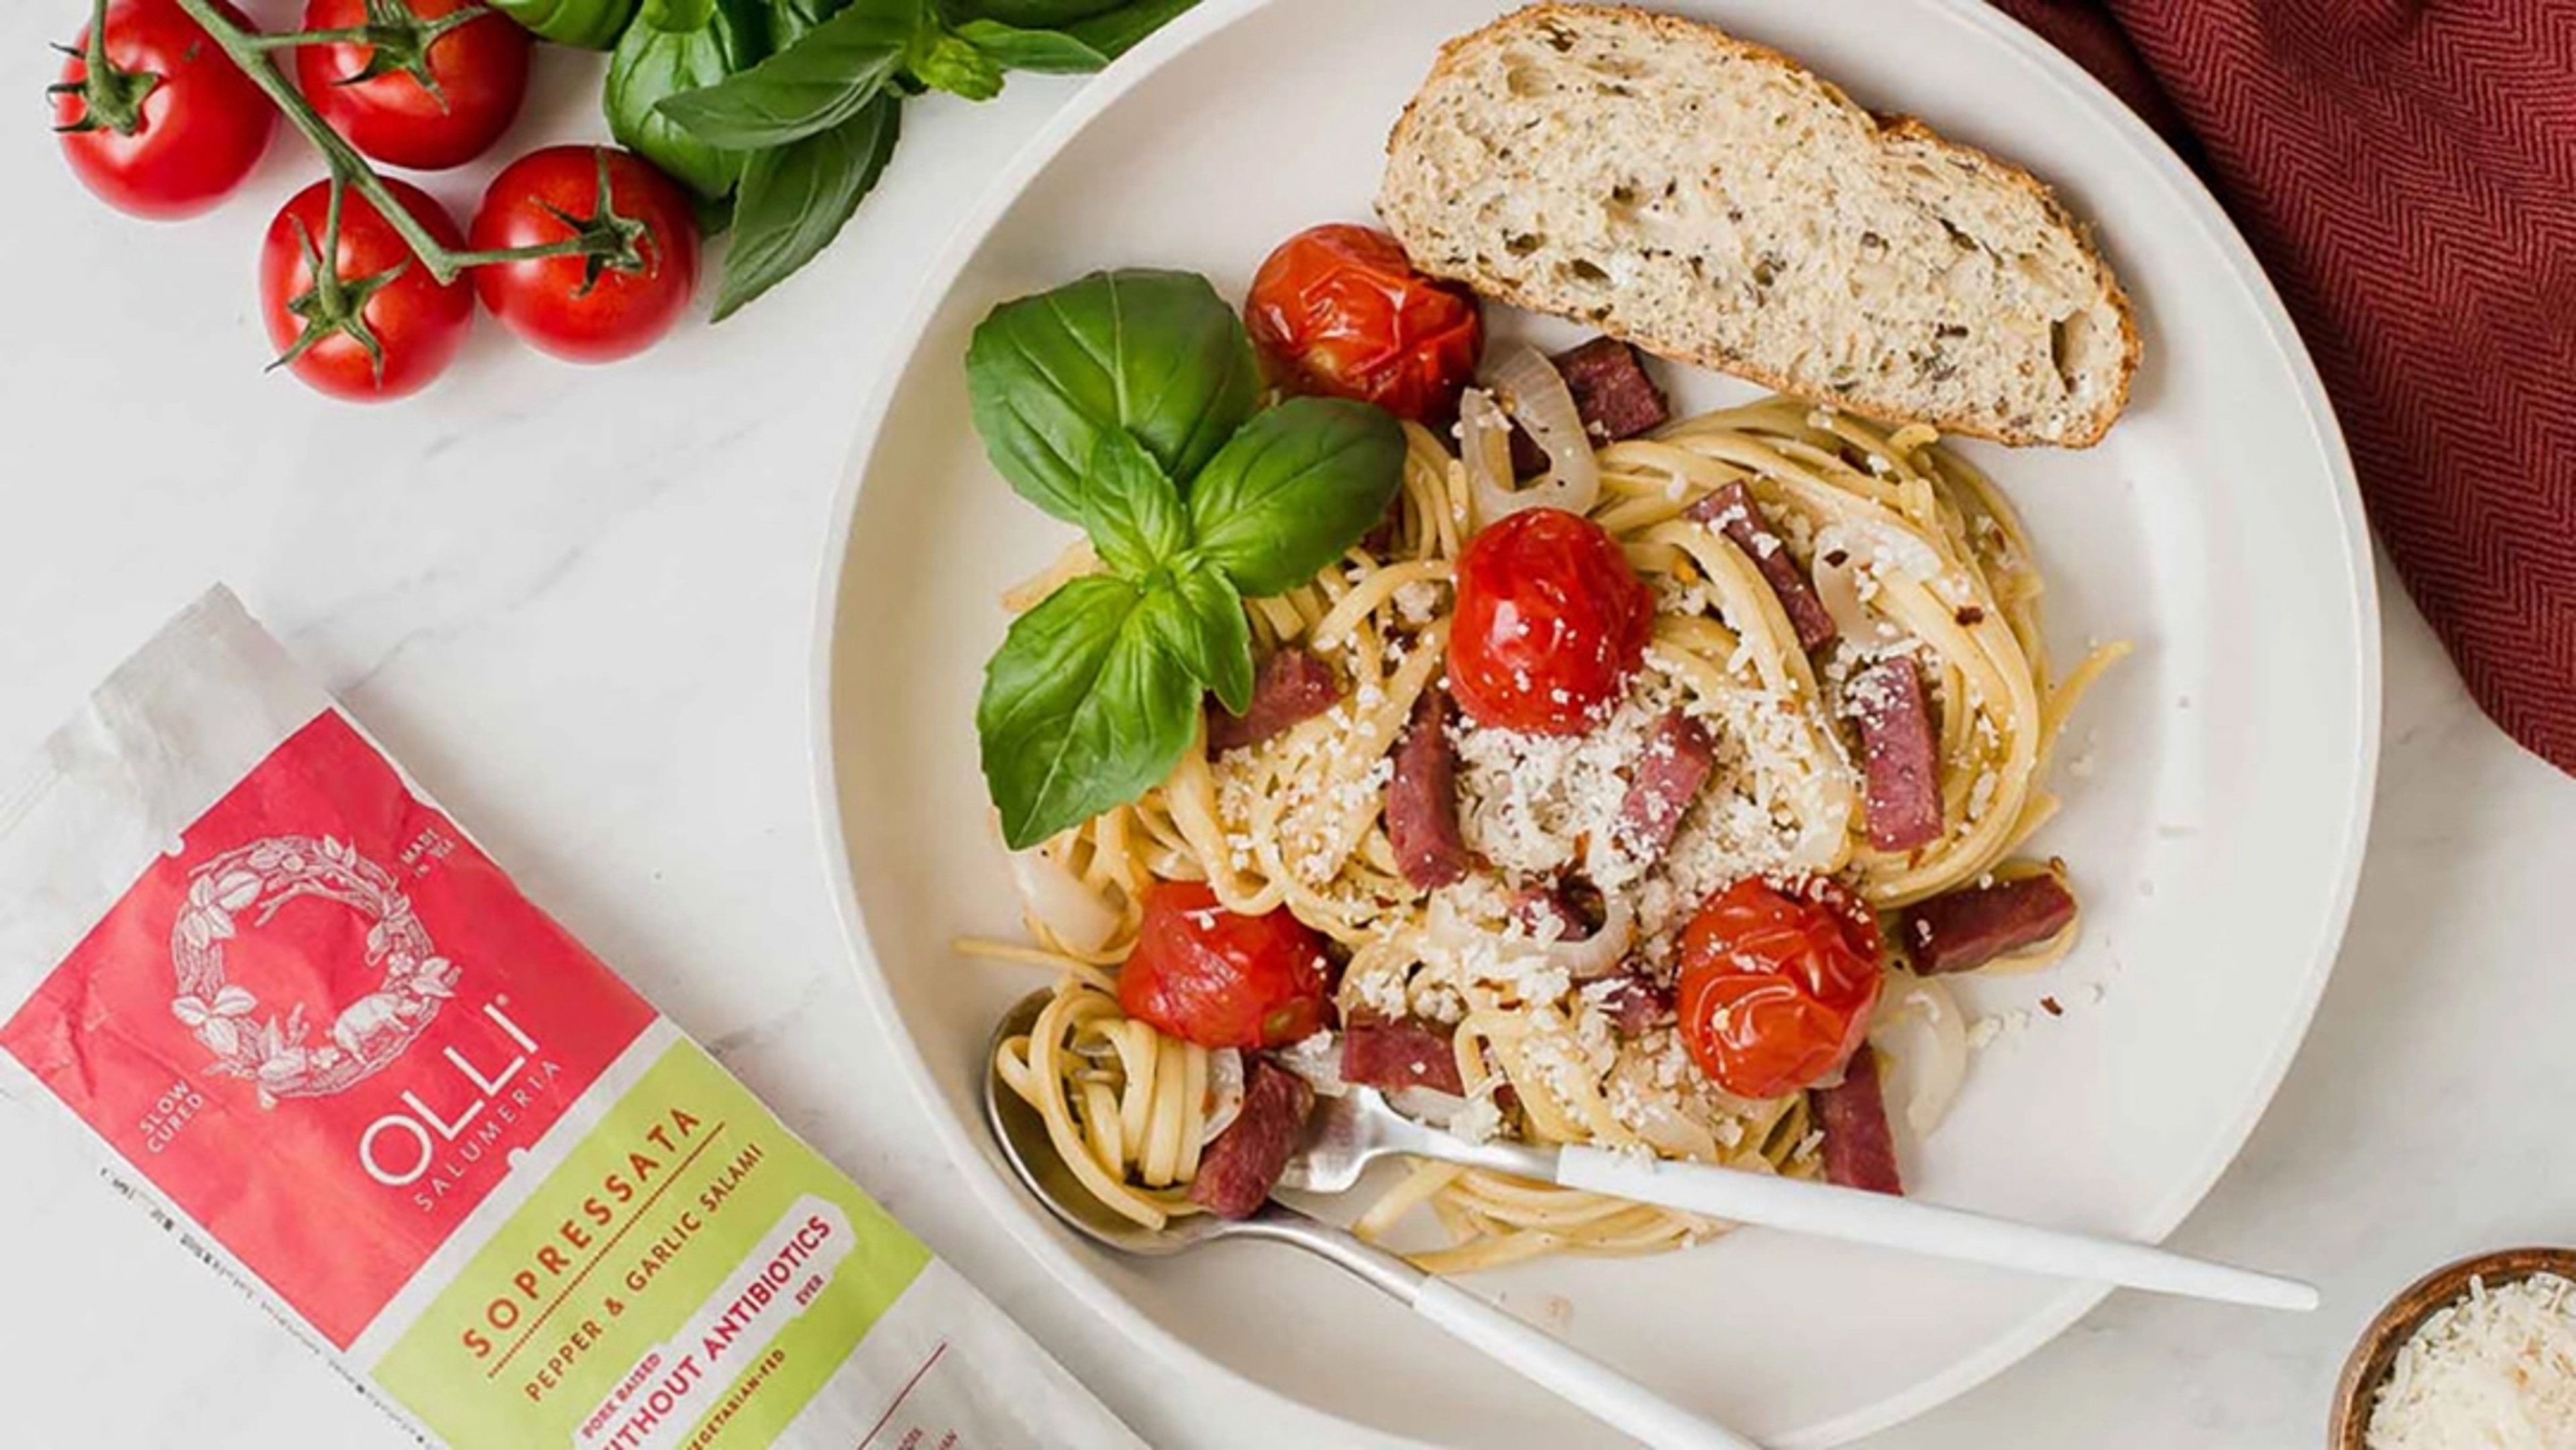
1349	1132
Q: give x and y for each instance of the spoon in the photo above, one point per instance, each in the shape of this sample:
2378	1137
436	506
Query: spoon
1349	1132
1584	1382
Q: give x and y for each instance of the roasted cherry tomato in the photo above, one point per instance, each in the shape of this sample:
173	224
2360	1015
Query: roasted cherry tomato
1777	985
587	309
1339	310
439	96
1550	624
1206	975
198	130
382	296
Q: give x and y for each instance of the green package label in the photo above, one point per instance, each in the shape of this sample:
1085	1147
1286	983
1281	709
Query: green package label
686	1278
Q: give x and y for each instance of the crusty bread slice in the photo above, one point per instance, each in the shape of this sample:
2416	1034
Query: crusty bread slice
1714	201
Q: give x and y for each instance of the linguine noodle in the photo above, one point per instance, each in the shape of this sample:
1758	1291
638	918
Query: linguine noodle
1298	820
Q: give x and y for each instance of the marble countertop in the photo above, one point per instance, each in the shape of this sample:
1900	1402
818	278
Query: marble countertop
577	605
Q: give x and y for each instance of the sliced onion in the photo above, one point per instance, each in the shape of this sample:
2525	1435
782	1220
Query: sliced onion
1224	1093
1057	900
1918	1031
1839	560
1531	389
1520	384
1485	448
1602	953
1427	1105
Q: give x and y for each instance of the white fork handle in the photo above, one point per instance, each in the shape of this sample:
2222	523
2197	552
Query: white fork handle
1922	1228
1583	1381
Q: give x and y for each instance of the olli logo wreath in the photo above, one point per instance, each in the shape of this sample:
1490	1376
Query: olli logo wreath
366	1034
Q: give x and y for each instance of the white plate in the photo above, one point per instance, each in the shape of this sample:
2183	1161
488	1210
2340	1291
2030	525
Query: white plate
2215	836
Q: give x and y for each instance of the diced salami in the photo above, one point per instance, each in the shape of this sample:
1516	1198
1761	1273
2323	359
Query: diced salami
1238	1170
1422	799
1403	1052
1612	389
1962	930
1898	754
1636	1004
1860	1151
1678	759
1732	511
1292	685
1527	457
1612	392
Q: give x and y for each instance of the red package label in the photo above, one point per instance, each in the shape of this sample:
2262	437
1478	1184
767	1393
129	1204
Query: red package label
323	1028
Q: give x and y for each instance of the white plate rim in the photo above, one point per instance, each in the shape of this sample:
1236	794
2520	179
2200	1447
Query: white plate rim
1028	1224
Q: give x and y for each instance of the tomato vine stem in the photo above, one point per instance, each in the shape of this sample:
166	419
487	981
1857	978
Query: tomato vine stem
111	99
250	51
290	39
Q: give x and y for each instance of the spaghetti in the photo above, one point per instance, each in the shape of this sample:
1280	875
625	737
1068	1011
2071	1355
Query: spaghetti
1916	553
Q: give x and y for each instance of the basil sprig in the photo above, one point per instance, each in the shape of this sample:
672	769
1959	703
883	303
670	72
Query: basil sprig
1125	403
795	198
591	24
1156	354
787	111
825	78
654	61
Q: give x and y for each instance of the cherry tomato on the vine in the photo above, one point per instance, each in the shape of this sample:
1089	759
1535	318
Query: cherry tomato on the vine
381	327
584	308
1776	986
430	94
1207	975
1339	310
197	130
1551	623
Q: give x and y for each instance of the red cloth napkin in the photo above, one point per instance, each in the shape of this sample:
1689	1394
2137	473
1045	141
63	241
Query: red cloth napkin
2406	169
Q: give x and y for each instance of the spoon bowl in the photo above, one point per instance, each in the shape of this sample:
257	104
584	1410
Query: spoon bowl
1022	1134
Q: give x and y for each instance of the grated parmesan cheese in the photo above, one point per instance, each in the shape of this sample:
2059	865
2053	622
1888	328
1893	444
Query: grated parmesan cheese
2495	1370
1417	603
1478	1122
1535	806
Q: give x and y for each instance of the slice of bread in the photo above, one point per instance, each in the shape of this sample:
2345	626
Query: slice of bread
1715	202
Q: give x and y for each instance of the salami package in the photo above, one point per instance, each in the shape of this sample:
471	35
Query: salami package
324	1036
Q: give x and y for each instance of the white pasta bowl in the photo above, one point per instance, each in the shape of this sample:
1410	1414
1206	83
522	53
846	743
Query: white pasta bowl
2217	784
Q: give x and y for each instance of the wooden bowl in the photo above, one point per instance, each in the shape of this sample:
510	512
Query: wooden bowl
2373	1356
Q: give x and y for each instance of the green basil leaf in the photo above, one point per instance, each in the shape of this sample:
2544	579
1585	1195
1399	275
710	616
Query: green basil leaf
652	64
826	77
1298	486
790	20
1131	508
715	218
1046	52
1210	633
952	64
1032	14
1116	32
795	198
1158	354
678	15
590	24
1084	707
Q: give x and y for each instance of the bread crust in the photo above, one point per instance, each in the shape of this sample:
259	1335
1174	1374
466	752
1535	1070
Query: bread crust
1884	129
